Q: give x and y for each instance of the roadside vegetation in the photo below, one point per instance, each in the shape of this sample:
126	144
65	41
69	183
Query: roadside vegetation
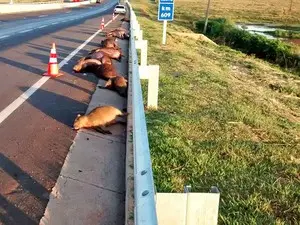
226	119
223	31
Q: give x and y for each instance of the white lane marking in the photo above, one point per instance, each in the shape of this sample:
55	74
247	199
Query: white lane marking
68	12
25	31
54	23
43	26
23	97
43	15
4	36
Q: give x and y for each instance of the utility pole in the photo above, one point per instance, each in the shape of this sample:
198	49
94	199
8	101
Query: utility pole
206	17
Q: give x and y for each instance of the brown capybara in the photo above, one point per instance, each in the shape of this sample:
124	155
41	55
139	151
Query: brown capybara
103	70
125	19
111	52
106	71
86	65
101	56
119	29
118	83
99	117
109	42
119	34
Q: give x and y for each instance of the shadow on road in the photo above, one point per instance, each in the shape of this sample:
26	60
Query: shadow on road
61	108
76	40
37	71
9	213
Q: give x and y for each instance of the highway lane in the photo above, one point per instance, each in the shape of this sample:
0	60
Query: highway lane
36	137
11	28
40	14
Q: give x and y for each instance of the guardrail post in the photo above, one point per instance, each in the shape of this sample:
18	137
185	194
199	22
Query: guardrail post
151	73
140	37
137	30
143	45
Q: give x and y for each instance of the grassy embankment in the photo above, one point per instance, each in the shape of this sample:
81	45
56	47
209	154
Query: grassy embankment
224	119
275	51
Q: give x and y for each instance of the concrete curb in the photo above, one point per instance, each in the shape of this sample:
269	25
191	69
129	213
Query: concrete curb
19	8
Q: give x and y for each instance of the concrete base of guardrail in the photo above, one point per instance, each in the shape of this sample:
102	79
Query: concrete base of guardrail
19	8
187	208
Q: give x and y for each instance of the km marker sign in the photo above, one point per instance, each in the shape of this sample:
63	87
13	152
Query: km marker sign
165	13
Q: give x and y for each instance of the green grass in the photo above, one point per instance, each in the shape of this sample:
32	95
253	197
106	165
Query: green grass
224	119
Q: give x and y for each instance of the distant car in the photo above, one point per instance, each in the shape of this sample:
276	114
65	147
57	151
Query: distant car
98	1
120	9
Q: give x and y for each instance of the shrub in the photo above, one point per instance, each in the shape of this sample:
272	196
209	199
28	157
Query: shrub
274	51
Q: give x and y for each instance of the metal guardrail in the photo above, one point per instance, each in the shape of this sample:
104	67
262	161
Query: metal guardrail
144	189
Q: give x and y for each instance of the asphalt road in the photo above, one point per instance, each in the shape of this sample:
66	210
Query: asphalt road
45	13
35	138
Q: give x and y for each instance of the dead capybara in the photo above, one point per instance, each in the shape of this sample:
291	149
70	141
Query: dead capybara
119	29
118	83
86	65
111	52
121	34
101	56
106	71
125	19
99	117
109	42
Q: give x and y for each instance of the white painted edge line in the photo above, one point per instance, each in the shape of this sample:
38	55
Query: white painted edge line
68	12
25	31
43	26
4	36
43	15
23	97
54	23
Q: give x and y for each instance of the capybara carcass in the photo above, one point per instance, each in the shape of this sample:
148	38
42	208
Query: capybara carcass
118	83
106	71
109	42
125	20
101	56
121	34
99	117
111	52
86	65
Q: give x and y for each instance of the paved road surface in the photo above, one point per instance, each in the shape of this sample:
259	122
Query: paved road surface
40	14
36	137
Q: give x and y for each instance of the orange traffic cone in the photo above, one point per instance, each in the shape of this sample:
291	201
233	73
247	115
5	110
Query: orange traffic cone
102	24
53	70
113	16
